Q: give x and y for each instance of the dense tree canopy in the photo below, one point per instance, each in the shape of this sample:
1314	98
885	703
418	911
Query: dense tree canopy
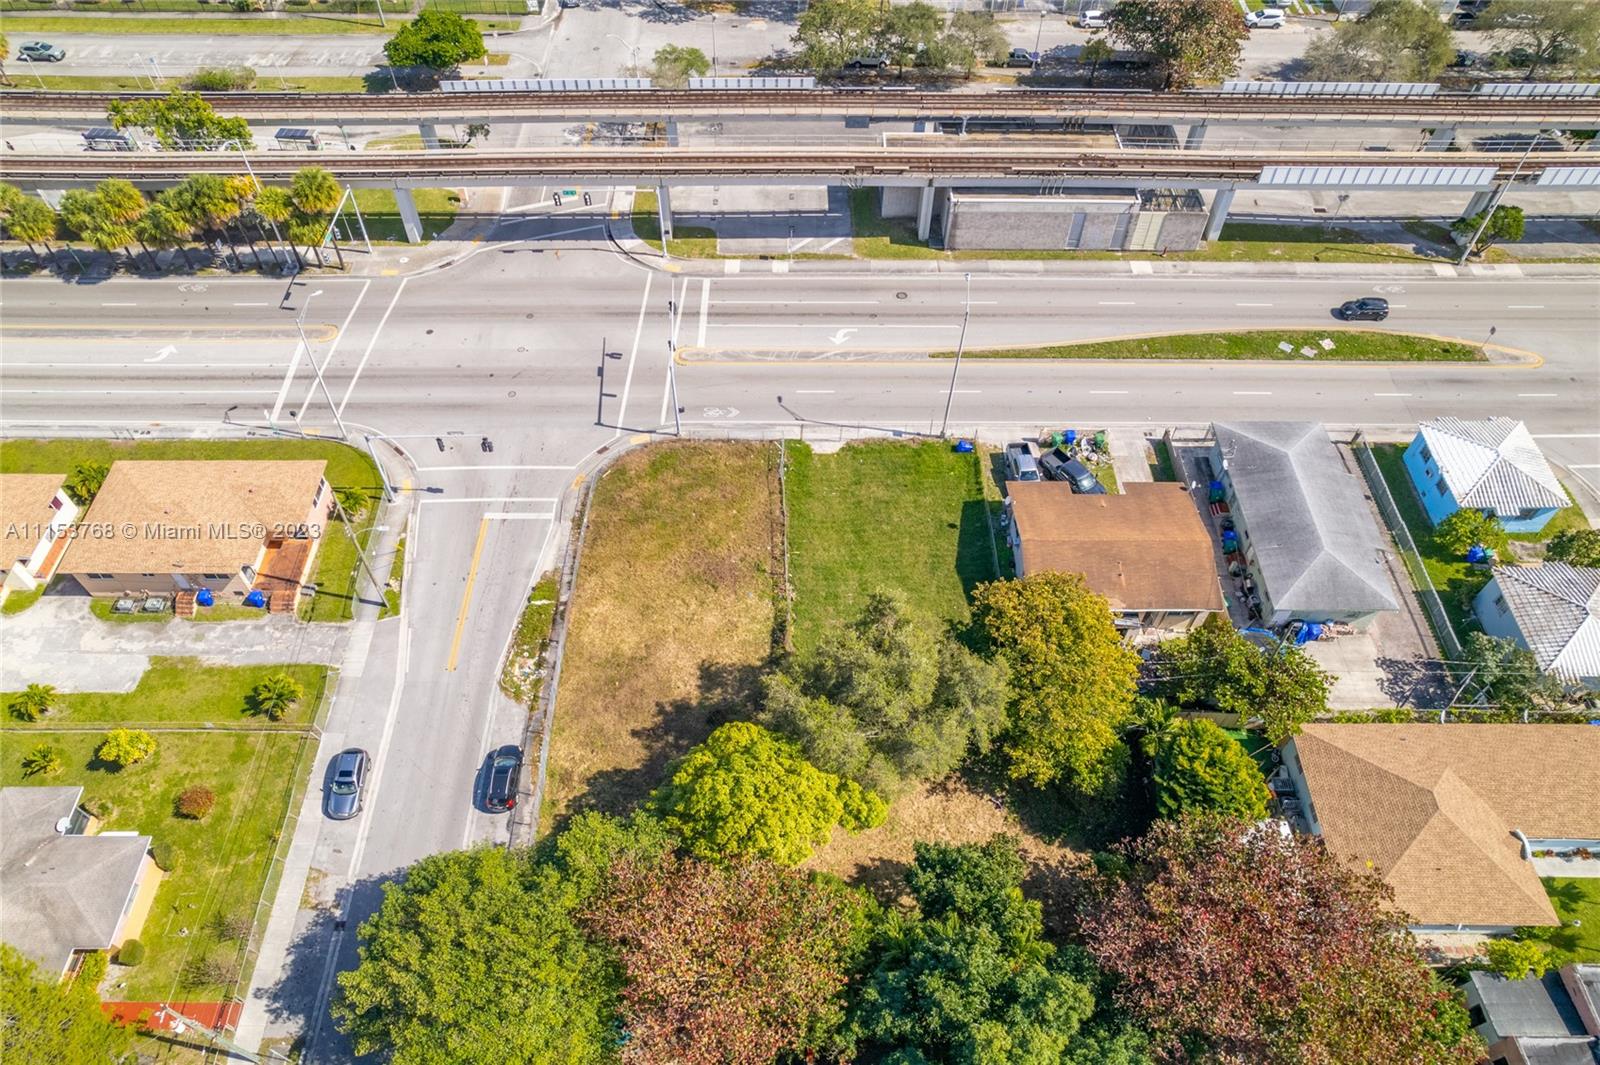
1072	680
181	120
1547	32
1197	767
726	964
748	792
474	957
1393	40
1506	678
46	1022
673	65
832	32
1233	943
1506	223
1468	528
968	978
1215	668
1187	40
437	40
885	700
1575	547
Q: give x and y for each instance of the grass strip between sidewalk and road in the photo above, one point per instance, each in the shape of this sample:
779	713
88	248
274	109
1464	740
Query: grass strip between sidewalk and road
1350	345
26	79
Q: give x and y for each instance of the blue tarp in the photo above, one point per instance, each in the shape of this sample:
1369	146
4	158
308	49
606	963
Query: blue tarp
963	447
1309	630
1478	553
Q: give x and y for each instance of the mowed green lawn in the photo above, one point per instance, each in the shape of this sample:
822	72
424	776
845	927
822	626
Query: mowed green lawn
904	517
182	691
1577	903
219	863
335	574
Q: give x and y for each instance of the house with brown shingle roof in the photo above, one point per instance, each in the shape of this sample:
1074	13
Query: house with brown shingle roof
35	510
162	527
1449	815
1146	549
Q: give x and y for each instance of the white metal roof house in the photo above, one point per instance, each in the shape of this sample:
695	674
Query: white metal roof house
1553	610
1488	464
1305	528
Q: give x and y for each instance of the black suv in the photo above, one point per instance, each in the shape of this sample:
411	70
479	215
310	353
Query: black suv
1370	309
500	777
1060	466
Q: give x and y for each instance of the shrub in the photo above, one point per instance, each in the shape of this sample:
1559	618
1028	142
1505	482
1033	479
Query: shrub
1467	528
165	857
85	480
43	760
130	953
92	969
1576	547
222	79
123	747
195	802
34	701
275	696
1515	959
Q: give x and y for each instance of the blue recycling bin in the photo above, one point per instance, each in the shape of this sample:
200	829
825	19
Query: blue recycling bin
255	599
204	597
964	447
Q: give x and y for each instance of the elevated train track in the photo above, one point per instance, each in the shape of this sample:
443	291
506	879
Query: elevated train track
363	109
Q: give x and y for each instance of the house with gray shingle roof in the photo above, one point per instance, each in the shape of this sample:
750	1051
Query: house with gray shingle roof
63	890
1488	464
1306	530
1552	610
1552	1019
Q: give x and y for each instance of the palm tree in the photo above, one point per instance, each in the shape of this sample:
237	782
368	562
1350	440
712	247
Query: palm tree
123	206
308	231
275	696
160	228
277	207
34	701
32	221
80	212
207	203
316	192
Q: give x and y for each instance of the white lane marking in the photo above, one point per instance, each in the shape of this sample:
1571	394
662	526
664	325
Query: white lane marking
1536	395
1583	466
813	391
1252	393
1108	391
138	391
1252	304
820	325
1524	306
351	387
705	305
812	303
633	356
261	304
1116	303
327	360
441	469
119	305
565	232
1392	395
435	501
518	517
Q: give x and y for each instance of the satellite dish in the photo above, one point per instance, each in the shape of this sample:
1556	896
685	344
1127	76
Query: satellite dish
63	826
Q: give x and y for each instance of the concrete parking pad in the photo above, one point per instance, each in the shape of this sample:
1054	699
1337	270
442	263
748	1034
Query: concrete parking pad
57	641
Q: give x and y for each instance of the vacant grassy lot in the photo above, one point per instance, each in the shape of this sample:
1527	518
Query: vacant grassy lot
908	517
218	864
436	207
1577	903
672	617
1350	345
182	690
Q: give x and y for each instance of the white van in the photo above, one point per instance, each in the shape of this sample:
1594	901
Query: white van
1092	20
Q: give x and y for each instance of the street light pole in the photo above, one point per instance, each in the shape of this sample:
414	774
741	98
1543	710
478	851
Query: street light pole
961	344
299	324
1494	204
633	49
713	44
673	311
248	169
1038	38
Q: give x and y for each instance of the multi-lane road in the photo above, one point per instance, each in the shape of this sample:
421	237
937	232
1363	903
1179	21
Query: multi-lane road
505	345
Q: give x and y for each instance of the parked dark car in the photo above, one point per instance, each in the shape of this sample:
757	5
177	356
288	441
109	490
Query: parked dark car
1058	465
41	52
1021	57
500	776
347	786
1369	309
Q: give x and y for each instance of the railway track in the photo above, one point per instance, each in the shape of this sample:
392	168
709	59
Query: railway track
1197	106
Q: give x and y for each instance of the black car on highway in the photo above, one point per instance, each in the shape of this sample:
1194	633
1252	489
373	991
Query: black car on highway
500	776
347	784
1369	309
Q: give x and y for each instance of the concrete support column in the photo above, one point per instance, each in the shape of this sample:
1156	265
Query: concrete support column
664	205
430	135
1195	139
1480	202
408	215
1219	213
1440	139
1591	145
925	213
672	133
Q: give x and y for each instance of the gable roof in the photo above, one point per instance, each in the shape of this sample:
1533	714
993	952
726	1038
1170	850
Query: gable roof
62	892
24	512
1492	464
1316	543
1145	549
1431	808
214	504
1557	607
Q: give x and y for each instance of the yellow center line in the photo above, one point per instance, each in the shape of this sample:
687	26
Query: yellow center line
466	596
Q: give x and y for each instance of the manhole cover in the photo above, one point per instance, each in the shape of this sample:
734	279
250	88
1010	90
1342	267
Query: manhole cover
899	295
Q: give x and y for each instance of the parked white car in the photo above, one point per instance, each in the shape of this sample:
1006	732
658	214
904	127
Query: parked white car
1092	20
1270	19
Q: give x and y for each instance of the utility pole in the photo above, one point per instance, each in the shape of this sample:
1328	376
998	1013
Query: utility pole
299	324
961	344
1494	204
673	311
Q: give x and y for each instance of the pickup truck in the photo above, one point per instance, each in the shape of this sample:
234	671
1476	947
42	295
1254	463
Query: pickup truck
1022	462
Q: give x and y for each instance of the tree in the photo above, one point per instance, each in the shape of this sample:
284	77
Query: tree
205	202
160	228
1235	943
1393	40
43	760
84	482
1199	767
123	747
1188	40
1575	547
1215	668
474	956
1468	528
967	978
276	207
1094	52
194	802
316	194
725	964
1507	223
1515	959
885	700
436	39
5	51
352	501
1549	34
747	792
831	32
275	696
1507	677
47	1022
909	33
181	120
975	36
32	222
1072	680
34	701
673	65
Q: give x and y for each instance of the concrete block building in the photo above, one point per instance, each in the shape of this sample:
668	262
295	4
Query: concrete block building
1487	464
1073	219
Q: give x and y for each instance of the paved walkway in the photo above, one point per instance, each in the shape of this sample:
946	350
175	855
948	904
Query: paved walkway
58	641
1127	455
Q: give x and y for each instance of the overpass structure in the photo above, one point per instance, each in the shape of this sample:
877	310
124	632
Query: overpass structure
1009	165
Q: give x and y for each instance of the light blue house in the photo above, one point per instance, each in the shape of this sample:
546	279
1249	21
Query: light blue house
1552	610
1490	464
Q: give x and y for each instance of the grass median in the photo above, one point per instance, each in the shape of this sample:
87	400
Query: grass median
1349	345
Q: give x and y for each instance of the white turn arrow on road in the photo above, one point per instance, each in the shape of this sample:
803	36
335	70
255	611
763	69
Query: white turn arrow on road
841	336
163	353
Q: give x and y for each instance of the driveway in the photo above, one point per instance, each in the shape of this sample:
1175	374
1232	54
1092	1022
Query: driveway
57	641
